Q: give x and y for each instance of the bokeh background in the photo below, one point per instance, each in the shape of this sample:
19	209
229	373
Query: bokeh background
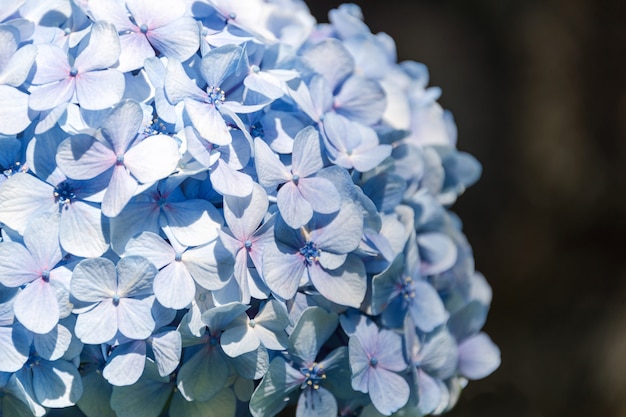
538	91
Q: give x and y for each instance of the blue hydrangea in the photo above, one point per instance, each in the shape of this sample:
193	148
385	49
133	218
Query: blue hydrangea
224	208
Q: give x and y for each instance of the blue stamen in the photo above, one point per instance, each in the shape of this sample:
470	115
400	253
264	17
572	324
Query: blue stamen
314	374
116	300
64	193
45	275
374	362
248	244
310	252
73	71
257	130
143	28
215	95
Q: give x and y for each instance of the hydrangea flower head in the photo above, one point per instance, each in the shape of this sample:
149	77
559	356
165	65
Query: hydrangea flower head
224	208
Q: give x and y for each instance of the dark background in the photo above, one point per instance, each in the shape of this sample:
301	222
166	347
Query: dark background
538	93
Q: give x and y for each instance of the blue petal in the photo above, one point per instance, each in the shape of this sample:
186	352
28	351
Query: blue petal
97	90
16	342
313	329
478	357
330	59
57	384
96	396
203	376
167	348
36	307
389	392
14	117
427	308
145	398
222	404
345	285
269	397
125	364
98	325
316	403
174	287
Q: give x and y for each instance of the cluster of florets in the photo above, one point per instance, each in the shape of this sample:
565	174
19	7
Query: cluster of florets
221	207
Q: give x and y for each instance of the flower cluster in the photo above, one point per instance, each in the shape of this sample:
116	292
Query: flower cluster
220	208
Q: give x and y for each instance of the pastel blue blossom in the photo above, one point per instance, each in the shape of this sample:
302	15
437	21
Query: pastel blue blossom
54	384
376	357
433	359
223	162
181	267
117	298
82	230
302	193
123	157
206	108
34	265
401	290
190	221
194	193
87	78
319	254
352	145
299	369
161	26
267	328
246	238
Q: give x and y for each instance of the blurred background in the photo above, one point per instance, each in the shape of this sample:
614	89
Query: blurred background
538	91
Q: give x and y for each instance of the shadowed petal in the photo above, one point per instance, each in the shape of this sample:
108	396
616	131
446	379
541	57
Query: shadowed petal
103	49
126	363
202	376
15	343
57	384
82	157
